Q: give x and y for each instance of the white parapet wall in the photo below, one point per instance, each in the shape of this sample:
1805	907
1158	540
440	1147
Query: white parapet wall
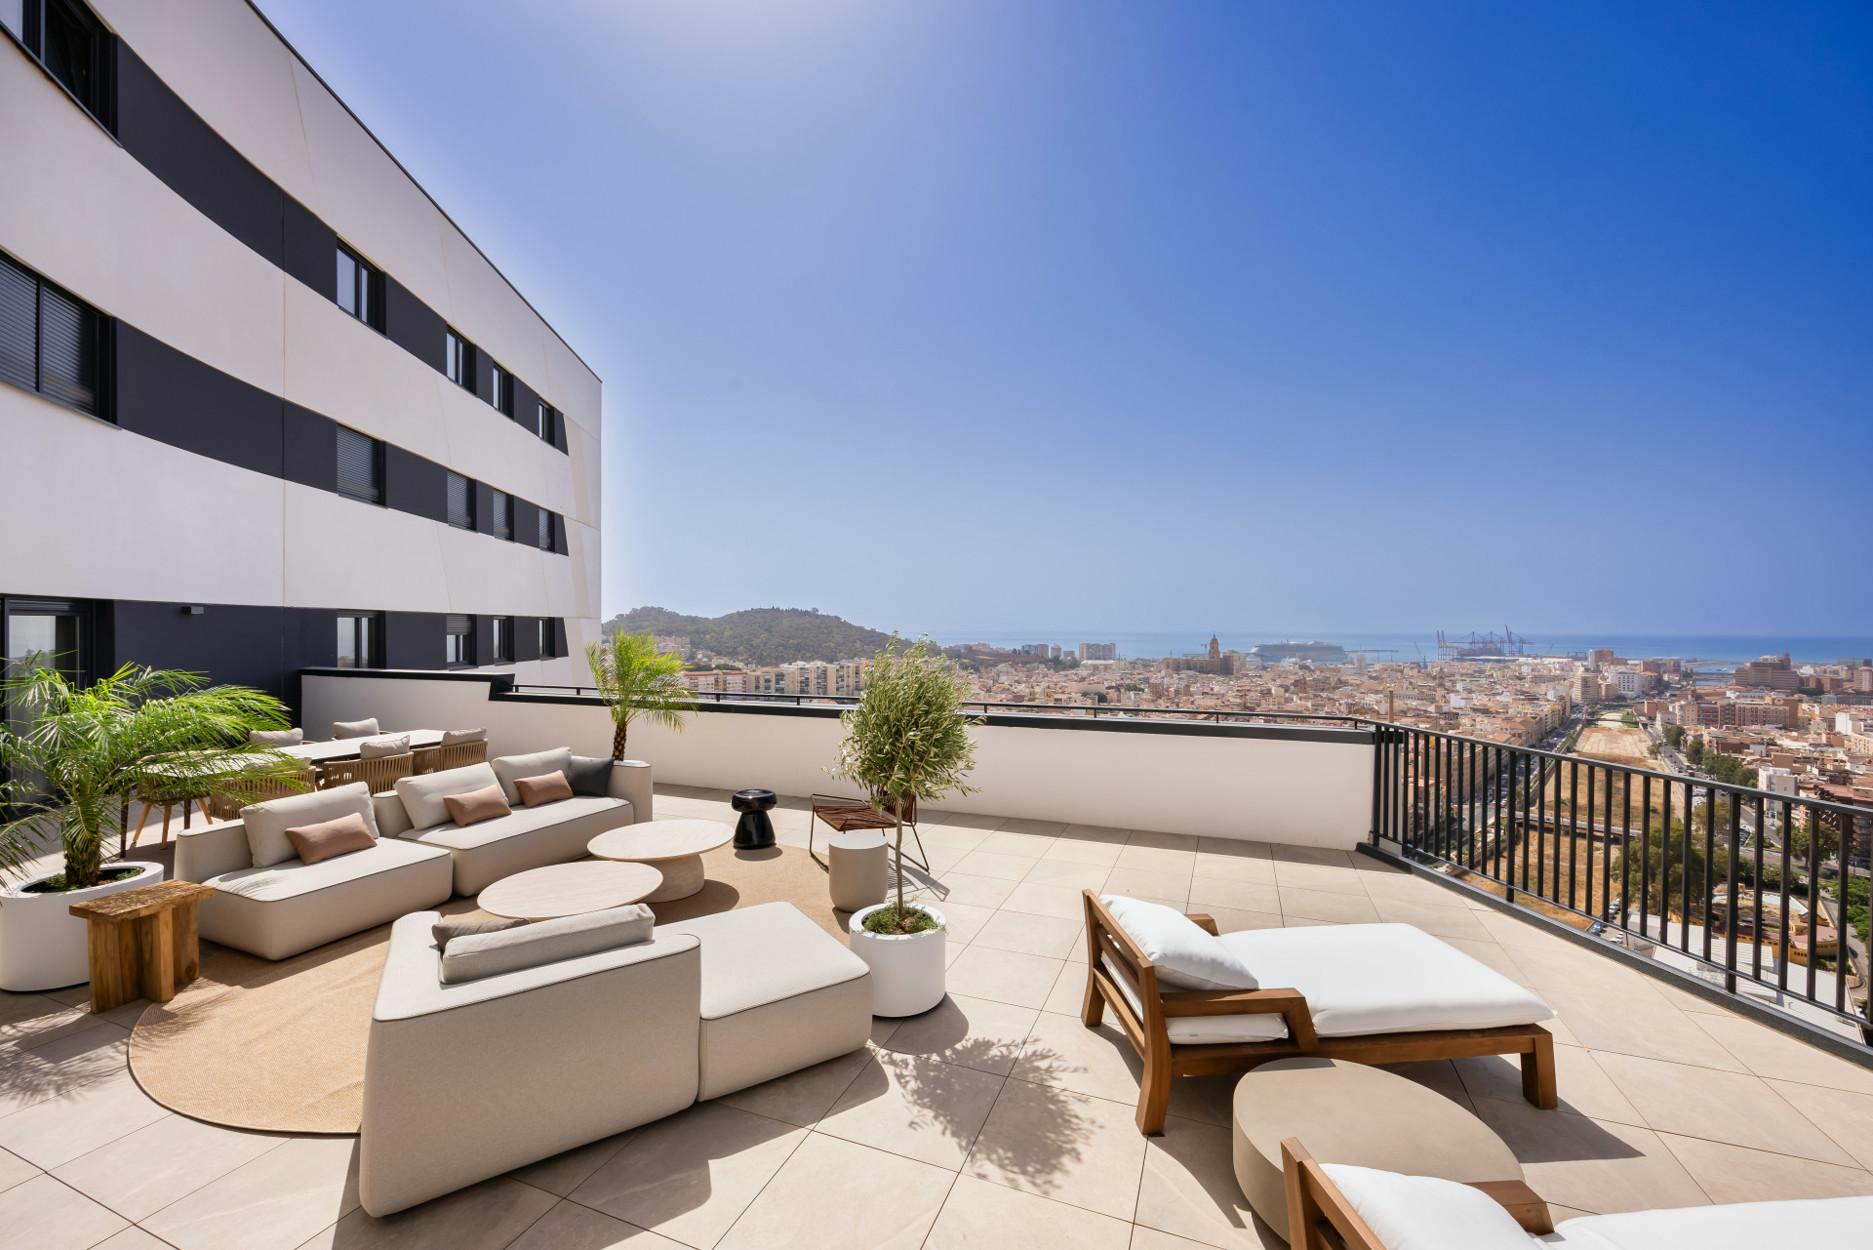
1304	786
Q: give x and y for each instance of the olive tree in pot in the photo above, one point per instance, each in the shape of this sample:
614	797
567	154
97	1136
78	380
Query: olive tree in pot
635	678
906	740
71	756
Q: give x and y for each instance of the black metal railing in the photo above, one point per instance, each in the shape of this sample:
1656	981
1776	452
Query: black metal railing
1754	886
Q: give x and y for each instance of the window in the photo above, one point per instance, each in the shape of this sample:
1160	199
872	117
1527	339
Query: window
548	426
503	515
360	288
548	524
360	466
72	45
503	640
459	646
359	635
461	502
501	392
546	639
50	342
458	359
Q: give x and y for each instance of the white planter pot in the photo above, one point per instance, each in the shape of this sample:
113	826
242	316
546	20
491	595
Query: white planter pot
42	945
906	969
630	779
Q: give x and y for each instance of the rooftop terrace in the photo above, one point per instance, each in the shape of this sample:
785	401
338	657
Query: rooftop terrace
995	1119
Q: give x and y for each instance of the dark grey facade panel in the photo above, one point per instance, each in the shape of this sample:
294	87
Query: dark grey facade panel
174	398
526	402
411	324
310	248
559	432
311	444
526	523
415	484
169	140
484	375
484	508
526	638
559	538
239	645
414	639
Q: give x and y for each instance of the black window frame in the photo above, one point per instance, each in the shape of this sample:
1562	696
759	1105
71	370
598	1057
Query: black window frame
458	359
548	539
501	640
98	353
367	287
467	521
549	422
500	389
377	465
97	94
501	524
367	639
547	639
464	657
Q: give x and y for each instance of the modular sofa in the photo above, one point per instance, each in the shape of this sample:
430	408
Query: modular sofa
467	1080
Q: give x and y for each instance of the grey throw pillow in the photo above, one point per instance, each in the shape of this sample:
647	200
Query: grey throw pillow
461	926
591	775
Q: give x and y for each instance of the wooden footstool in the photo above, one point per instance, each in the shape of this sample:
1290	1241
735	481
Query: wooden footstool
142	942
1367	1117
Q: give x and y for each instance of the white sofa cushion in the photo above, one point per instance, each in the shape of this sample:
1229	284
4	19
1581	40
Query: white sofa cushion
1733	1226
422	796
267	822
511	768
522	820
478	955
1187	958
1384	978
295	879
1207	1030
1428	1212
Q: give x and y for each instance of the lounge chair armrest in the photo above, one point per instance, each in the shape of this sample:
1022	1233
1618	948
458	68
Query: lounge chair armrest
1205	922
1290	1004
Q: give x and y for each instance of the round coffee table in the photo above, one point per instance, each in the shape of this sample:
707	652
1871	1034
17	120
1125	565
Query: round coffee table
569	890
674	846
1350	1113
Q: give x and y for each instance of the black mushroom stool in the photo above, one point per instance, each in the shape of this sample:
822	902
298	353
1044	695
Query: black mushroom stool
754	831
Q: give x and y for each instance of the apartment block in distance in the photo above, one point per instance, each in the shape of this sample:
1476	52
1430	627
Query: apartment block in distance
263	405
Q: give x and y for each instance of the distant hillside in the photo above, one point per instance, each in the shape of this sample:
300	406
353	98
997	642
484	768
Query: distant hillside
760	635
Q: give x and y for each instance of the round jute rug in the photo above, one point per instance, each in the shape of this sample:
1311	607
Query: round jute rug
279	1047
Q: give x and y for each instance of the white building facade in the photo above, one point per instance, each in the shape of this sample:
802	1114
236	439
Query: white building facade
263	406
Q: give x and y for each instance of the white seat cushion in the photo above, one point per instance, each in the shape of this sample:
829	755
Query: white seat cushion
1734	1226
1207	1030
1428	1212
1384	978
517	822
422	795
294	878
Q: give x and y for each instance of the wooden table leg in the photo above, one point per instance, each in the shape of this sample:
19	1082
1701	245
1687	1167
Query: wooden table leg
157	955
188	963
113	961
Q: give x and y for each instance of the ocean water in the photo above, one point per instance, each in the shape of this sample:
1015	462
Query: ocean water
1711	650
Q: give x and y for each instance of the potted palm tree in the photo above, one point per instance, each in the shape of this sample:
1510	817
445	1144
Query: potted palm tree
636	678
70	757
906	741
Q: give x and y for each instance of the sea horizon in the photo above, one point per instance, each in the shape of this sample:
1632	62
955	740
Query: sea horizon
1408	647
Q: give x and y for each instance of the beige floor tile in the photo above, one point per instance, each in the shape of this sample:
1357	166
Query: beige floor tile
1003	976
1039	828
14	1170
881	1200
1737	1174
1328	906
1087	844
1595	1165
1062	1052
38	1020
1026	845
1584	1086
1069	989
132	1238
1332	880
1632	1021
1236	848
1209	892
987	892
141	1173
979	1215
1028	934
1062	1145
58	1130
1189	1189
1156	1239
1168	887
1731	1107
1000	866
973	1032
1055	890
43	1214
691	1176
1294	853
65	1067
1164	840
802	1097
1250	869
1766	1052
566	1171
570	1226
1443	922
1440	1075
964	920
487	1216
1488	951
1843	1116
923	1109
274	1202
1148	858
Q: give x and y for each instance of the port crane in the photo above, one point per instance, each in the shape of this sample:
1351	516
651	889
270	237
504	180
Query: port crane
1481	645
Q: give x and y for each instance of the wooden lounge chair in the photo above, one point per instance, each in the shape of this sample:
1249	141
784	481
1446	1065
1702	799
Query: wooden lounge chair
843	814
1242	1028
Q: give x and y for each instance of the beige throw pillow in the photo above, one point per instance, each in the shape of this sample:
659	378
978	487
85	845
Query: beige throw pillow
355	728
382	748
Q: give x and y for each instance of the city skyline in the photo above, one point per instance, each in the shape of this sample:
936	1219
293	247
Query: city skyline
1351	317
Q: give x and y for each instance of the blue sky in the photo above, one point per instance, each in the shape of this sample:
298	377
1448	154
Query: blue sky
975	315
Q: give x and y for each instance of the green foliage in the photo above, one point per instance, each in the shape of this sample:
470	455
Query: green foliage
896	919
1694	751
907	738
1629	719
759	635
1666	866
636	679
74	753
1674	736
1728	768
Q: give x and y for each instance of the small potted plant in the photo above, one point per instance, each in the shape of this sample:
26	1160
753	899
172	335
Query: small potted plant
70	758
906	740
635	679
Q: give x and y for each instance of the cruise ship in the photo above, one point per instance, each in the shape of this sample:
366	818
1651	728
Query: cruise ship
1318	652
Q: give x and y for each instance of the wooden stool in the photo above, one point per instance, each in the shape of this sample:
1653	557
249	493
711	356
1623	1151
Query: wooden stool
142	942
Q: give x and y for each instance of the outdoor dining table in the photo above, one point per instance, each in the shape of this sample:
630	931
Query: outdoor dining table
347	748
